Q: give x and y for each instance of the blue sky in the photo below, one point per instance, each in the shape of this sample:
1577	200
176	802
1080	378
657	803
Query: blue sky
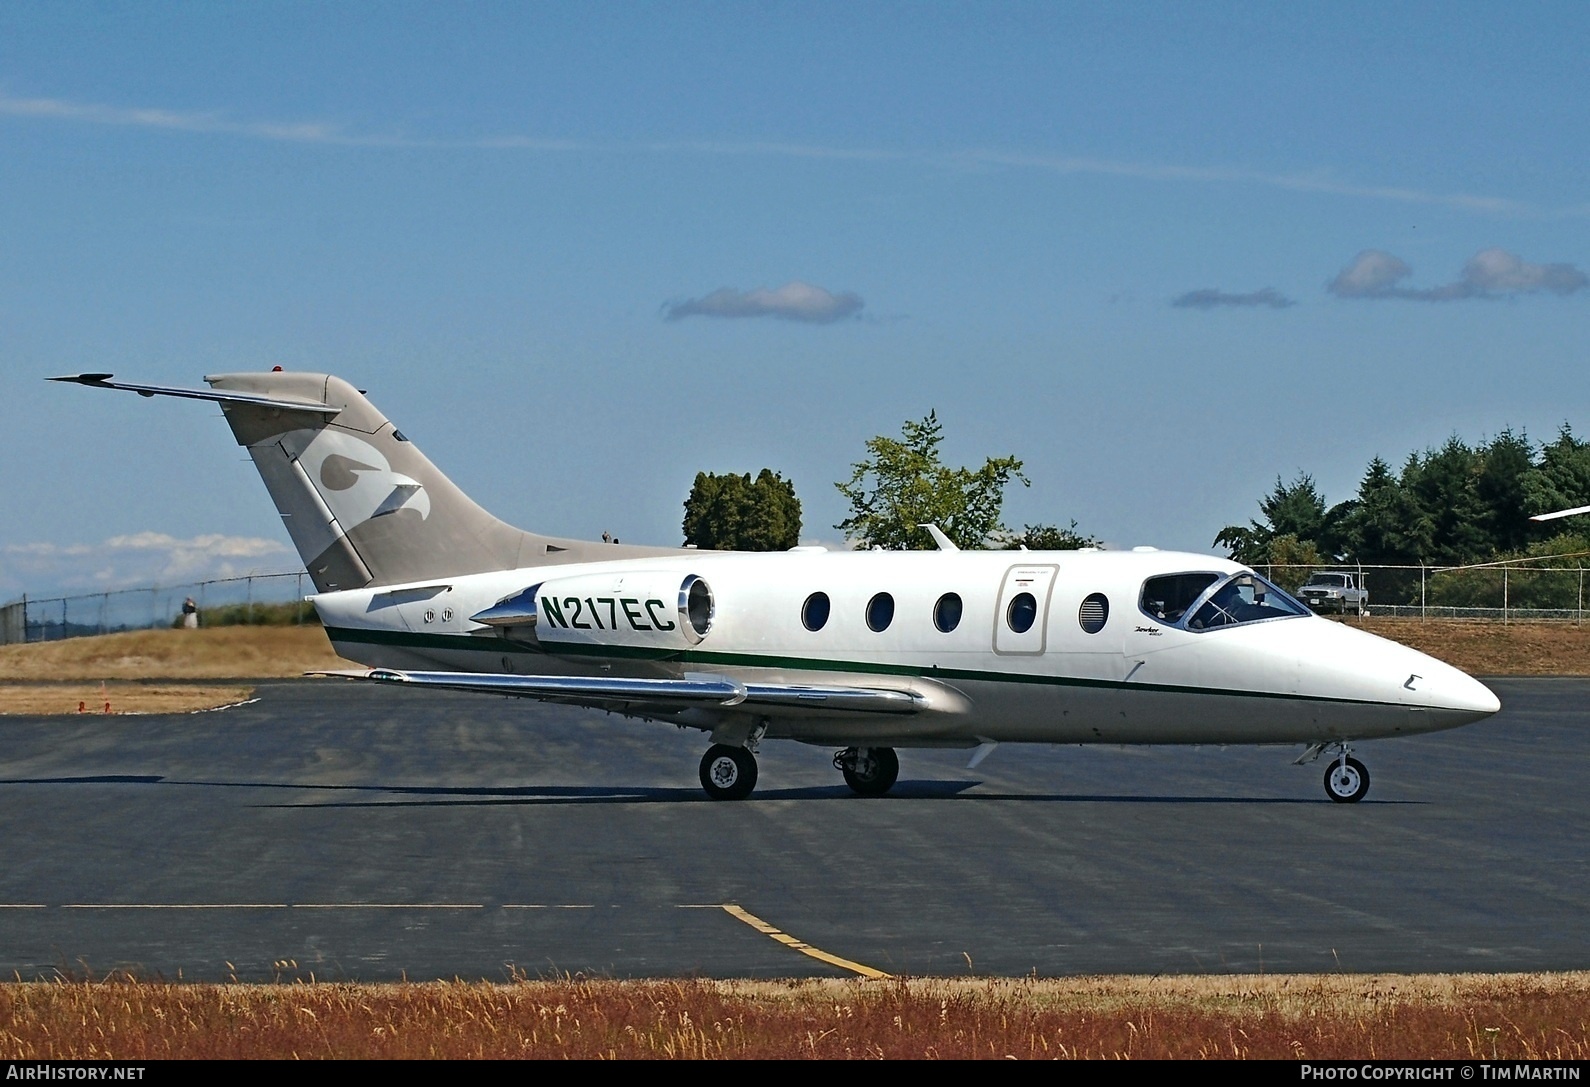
581	252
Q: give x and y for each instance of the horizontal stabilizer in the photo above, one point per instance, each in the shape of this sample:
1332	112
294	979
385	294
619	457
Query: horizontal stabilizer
219	396
693	689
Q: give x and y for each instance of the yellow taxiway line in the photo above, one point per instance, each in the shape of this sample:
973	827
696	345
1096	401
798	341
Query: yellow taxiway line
804	948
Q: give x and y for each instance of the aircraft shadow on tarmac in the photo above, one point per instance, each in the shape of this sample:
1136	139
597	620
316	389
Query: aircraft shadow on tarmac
457	795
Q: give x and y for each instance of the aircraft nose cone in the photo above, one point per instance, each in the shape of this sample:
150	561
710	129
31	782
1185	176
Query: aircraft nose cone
1470	696
1437	694
1450	695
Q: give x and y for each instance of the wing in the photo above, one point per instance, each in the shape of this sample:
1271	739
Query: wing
693	690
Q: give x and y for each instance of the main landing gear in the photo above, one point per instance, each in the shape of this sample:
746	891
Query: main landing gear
869	771
728	773
1346	779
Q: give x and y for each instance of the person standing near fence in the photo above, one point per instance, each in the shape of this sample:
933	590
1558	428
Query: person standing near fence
190	614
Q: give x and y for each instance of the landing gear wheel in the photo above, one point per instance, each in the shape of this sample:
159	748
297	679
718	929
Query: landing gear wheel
728	773
869	771
1346	781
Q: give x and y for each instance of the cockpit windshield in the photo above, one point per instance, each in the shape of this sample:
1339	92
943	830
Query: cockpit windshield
1204	601
1243	598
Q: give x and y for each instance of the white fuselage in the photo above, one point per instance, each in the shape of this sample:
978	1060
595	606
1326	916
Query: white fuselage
1136	679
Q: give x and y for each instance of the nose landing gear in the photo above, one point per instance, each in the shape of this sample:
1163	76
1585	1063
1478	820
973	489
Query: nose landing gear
869	771
1346	780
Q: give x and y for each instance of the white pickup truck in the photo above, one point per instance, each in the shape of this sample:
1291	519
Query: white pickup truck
1334	590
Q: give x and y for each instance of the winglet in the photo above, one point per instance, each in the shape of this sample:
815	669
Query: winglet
944	542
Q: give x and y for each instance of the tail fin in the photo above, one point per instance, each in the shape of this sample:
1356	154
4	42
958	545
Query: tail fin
362	505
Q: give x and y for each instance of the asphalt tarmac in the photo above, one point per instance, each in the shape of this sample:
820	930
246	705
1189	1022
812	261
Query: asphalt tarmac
337	831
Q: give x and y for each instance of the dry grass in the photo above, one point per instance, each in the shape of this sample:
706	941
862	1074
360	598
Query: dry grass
216	653
55	677
1431	1017
36	699
1493	649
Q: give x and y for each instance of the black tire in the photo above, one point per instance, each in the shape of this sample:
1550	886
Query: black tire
728	773
1346	783
880	769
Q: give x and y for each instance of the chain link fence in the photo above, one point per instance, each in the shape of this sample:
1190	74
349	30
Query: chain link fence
1514	591
259	598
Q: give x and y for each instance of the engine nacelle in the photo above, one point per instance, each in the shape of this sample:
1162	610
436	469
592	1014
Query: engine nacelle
651	610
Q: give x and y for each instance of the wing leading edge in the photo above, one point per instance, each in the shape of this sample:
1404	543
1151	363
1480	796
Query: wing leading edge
698	689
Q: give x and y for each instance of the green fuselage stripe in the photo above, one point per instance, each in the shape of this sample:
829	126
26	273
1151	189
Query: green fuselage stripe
499	646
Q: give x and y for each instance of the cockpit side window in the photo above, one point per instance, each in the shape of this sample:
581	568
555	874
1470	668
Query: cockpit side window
1244	598
1166	598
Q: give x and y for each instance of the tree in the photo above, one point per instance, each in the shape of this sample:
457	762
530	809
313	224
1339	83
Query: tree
1444	485
1504	465
902	483
1293	509
732	513
1050	538
1372	527
1560	481
1292	560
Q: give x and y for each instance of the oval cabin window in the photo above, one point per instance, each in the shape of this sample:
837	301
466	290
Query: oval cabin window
947	612
1094	613
880	612
1022	613
814	613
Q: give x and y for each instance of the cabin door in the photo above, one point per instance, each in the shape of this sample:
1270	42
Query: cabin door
1021	621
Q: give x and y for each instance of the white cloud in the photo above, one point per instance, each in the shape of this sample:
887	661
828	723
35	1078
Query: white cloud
1371	274
1212	297
328	133
179	121
137	560
1490	273
794	301
1317	182
1496	271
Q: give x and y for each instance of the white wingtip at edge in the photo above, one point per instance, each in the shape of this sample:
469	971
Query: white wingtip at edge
1560	513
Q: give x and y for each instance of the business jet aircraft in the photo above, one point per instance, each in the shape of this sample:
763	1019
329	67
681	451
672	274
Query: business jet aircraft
865	651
